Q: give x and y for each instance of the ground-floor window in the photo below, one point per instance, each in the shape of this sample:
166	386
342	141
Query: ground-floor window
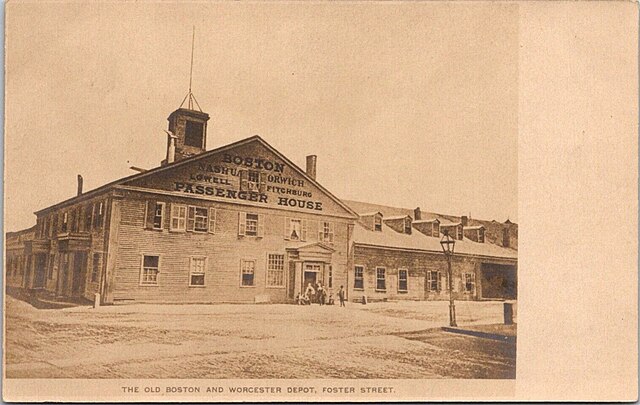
469	281
196	271
275	270
433	281
358	281
402	280
381	280
150	268
248	268
330	277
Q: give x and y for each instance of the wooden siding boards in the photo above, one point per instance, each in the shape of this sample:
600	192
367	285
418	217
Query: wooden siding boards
418	264
224	251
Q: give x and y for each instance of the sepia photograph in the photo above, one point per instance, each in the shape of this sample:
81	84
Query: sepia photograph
276	191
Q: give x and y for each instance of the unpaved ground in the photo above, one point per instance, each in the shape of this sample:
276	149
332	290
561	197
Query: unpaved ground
379	340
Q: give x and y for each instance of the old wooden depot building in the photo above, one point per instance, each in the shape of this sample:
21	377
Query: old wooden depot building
241	223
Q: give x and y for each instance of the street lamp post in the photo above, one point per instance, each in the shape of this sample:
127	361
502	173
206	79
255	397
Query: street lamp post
448	245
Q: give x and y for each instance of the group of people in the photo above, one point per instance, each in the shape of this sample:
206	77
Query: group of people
319	295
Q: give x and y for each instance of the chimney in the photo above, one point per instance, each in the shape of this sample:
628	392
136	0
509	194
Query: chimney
171	148
417	215
311	166
465	220
79	184
505	237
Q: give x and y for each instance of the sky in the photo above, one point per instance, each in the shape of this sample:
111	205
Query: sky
405	104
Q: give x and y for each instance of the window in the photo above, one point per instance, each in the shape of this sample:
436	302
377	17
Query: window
381	282
158	215
251	224
248	268
402	280
178	218
469	280
330	276
98	215
295	229
325	234
53	223
358	280
275	270
198	219
197	270
194	134
65	221
377	223
407	226
481	235
95	271
88	218
433	281
459	228
150	269
435	229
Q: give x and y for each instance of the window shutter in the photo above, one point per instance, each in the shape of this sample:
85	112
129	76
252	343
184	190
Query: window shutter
303	230
263	183
150	211
212	220
473	281
331	231
320	231
287	228
260	225
173	221
439	281
455	284
242	223
191	218
243	180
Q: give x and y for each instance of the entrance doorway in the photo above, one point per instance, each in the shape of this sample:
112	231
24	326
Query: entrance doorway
311	275
40	269
79	273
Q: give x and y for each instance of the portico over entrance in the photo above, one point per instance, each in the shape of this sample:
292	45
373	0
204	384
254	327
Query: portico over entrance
309	264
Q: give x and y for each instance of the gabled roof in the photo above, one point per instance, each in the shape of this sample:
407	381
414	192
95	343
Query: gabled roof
417	241
195	158
446	224
309	246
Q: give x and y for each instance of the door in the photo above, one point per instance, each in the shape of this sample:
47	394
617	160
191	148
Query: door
79	273
312	274
40	269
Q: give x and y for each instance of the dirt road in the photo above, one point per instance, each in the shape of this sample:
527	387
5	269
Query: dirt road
253	341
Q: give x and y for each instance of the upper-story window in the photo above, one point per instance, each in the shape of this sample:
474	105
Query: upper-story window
198	220
459	229
88	218
481	235
250	224
326	231
178	218
158	215
295	229
98	214
377	223
65	221
252	180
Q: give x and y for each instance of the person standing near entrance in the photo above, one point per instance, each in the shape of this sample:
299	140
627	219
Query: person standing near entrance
341	295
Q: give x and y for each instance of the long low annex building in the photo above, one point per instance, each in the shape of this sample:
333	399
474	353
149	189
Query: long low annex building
239	223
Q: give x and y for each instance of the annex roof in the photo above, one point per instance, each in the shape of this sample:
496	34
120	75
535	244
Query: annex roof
396	217
389	238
